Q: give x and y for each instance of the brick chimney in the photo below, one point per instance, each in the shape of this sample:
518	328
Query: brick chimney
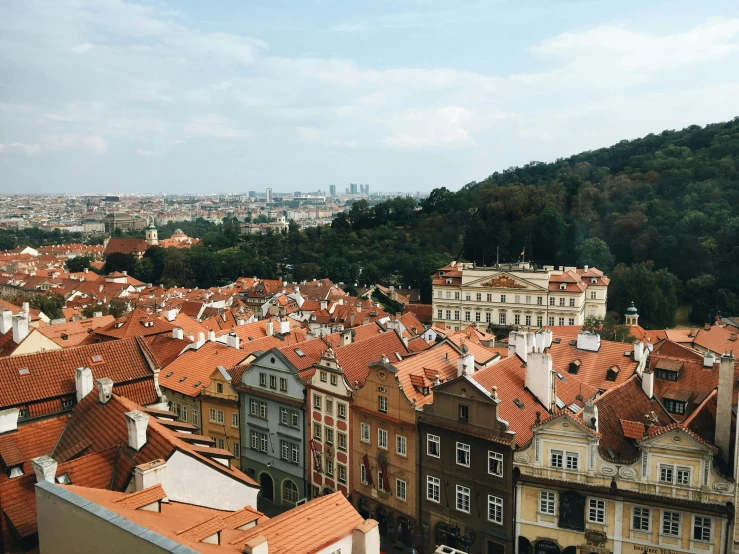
83	382
137	424
722	434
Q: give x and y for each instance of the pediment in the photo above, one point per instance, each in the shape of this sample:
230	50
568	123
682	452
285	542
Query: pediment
503	280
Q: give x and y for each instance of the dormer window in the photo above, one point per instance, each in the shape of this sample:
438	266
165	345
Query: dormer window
674	406
593	281
16	471
612	373
563	287
574	366
448	281
63	479
464	413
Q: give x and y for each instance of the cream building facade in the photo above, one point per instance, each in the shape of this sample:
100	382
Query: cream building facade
521	294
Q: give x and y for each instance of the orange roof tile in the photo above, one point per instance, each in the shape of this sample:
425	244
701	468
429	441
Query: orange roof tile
190	372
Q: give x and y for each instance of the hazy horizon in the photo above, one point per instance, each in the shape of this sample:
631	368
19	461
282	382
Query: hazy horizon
181	97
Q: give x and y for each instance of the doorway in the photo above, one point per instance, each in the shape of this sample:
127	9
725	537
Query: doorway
267	486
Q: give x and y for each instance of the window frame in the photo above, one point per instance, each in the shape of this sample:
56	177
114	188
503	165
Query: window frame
435	439
547	500
460	494
465	448
365	433
497	503
401	440
382	404
644	515
399	496
382	433
664	523
599	511
703	527
433	485
497	456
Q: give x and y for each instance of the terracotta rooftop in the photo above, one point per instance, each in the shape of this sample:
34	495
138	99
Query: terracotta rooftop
138	323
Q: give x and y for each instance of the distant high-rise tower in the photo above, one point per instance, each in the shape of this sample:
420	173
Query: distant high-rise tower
152	236
269	196
353	188
332	190
252	194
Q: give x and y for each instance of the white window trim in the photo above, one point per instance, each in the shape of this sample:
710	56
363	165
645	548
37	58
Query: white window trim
495	455
437	441
469	453
605	514
379	440
649	519
436	482
710	529
456	498
492	500
662	524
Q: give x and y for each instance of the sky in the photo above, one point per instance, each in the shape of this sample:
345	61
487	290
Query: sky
155	96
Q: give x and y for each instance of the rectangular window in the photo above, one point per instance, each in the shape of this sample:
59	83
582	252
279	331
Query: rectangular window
495	463
517	319
478	296
572	460
463	454
221	416
329	435
363	474
317	402
671	523
593	295
283	384
477	317
317	430
464	413
449	314
295	419
342	410
640	519
539	300
212	413
433	445
382	438
273	381
284	416
495	509
562	301
220	443
467	316
263	442
501	319
456	315
234	420
439	314
556	458
334	380
448	294
527	320
467	296
517	299
561	321
364	432
383	404
572	302
489	297
284	450
701	528
401	445
254	440
488	317
666	474
551	321
195	420
324	376
237	450
329	405
552	300
502	298
571	321
342	473
596	511
400	487
433	489
380	482
682	476
330	468
262	379
184	413
528	300
342	440
539	321
295	450
547	502
463	499
219	388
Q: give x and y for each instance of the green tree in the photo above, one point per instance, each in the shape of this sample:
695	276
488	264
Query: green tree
51	304
80	263
594	252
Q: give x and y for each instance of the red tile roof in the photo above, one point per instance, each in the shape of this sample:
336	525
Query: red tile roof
30	441
138	323
125	246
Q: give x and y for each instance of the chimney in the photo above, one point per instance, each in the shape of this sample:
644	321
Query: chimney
638	351
346	337
136	423
539	341
706	326
547	338
393	325
149	474
590	415
20	328
6	321
366	538
232	340
647	382
105	389
539	378
722	434
708	359
9	420
352	317
26	308
324	304
256	545
170	315
588	341
212	335
201	340
124	272
465	362
83	382
269	328
178	333
522	342
284	327
45	468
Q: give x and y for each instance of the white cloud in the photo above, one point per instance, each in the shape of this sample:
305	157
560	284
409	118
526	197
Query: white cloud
82	48
27	149
144	153
96	143
214	126
445	127
63	141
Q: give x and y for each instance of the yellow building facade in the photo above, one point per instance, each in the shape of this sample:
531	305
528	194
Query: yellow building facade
220	414
572	499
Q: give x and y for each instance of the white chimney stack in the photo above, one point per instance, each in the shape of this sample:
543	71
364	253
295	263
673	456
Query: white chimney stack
178	333
20	328
212	335
284	327
45	468
83	382
647	383
232	340
269	328
590	415
170	315
722	434
137	424
708	360
201	340
149	474
346	337
26	308
465	362
539	378
588	341
638	351
6	321
9	420
105	389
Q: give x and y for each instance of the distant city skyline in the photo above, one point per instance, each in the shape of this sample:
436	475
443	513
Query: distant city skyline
111	96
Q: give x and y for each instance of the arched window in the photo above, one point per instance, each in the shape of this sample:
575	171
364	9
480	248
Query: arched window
289	491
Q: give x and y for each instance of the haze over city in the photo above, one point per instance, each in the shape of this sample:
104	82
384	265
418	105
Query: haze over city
107	96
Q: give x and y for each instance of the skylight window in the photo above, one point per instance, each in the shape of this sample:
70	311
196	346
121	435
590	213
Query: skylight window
182	379
300	353
63	479
24	371
518	403
96	358
169	374
197	384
